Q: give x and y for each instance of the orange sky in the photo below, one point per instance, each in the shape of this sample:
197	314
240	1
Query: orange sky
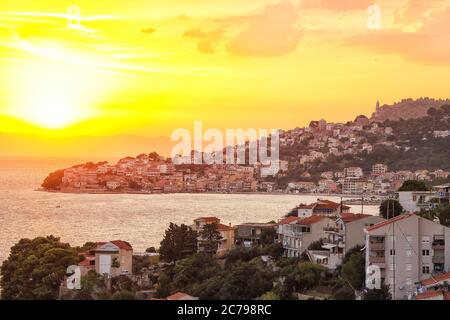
150	67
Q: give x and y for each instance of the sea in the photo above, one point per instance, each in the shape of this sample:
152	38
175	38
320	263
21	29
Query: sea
139	219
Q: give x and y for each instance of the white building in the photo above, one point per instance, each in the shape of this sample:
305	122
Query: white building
296	234
414	201
379	168
407	249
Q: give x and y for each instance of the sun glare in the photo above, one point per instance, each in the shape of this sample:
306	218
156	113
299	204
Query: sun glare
53	95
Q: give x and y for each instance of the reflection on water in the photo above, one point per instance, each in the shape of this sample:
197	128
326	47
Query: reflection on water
139	219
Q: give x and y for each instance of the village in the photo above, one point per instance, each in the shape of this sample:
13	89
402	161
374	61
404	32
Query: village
408	250
303	151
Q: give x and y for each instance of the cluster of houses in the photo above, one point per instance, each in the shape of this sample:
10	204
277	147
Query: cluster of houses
147	173
411	253
353	181
155	174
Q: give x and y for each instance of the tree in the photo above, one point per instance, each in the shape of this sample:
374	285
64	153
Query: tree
210	238
268	236
269	296
150	250
344	293
316	245
443	213
378	294
54	180
178	242
189	273
163	288
353	270
124	295
414	185
93	287
390	209
245	281
36	268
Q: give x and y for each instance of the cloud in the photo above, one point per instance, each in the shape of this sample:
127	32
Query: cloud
208	42
195	33
273	32
429	44
336	4
148	30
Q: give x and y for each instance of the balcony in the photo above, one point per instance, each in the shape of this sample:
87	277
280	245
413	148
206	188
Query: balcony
438	259
438	245
377	246
331	229
377	260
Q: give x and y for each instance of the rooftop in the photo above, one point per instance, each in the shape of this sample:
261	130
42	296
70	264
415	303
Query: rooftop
392	220
436	279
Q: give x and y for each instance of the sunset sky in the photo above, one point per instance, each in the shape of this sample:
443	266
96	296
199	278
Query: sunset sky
148	67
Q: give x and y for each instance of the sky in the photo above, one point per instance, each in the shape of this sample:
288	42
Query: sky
149	67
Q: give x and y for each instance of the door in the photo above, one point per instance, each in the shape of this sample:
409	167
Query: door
105	264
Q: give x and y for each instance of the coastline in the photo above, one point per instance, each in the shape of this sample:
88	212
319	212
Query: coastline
348	196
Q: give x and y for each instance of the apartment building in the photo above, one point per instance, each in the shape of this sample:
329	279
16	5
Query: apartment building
353	172
114	258
321	207
346	233
379	168
414	201
226	231
408	249
296	233
249	234
352	185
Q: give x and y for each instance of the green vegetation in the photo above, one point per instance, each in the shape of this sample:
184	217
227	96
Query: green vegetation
378	294
54	180
414	185
441	212
35	268
179	242
210	238
390	209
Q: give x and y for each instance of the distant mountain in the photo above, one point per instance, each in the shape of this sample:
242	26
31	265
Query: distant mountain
27	145
406	109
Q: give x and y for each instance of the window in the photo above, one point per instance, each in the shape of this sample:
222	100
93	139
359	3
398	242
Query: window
392	266
408	267
425	269
392	252
426	252
409	253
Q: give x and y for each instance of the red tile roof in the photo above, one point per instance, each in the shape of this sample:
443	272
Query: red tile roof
311	220
349	217
306	206
122	244
327	204
432	294
289	220
179	296
392	220
436	279
208	219
224	227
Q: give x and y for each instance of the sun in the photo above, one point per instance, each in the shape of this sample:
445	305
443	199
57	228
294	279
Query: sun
52	95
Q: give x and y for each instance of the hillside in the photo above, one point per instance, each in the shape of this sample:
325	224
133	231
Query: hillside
407	109
414	144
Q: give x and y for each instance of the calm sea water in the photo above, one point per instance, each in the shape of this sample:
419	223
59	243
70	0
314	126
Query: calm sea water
139	219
